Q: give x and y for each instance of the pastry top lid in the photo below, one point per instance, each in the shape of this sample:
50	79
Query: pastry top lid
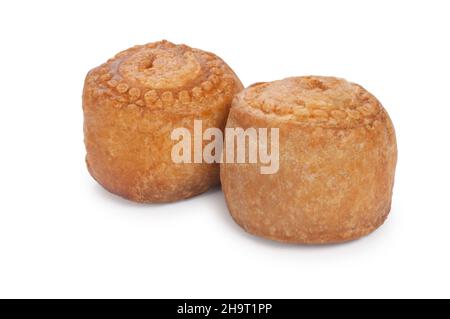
313	100
161	74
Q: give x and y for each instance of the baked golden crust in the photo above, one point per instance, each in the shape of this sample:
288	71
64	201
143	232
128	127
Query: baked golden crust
132	103
336	172
314	101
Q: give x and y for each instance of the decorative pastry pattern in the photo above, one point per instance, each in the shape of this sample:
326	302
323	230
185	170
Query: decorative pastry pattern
161	74
323	101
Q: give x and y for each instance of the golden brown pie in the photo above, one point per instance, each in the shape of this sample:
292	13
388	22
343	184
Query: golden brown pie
132	103
337	158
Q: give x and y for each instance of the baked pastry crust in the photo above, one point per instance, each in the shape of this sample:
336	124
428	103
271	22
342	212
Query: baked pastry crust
337	158
132	103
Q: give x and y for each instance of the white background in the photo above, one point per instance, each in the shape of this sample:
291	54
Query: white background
62	235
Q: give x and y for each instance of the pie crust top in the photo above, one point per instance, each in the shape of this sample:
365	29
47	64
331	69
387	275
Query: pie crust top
313	100
160	75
